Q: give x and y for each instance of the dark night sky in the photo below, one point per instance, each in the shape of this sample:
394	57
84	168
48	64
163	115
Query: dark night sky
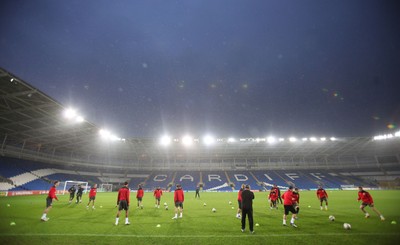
230	68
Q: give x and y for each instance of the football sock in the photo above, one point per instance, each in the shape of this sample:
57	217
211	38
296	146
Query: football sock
126	220
292	220
116	220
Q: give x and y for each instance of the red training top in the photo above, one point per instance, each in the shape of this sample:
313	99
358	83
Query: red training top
52	193
178	195
158	193
273	196
123	194
92	192
139	193
240	195
321	193
288	198
365	197
296	197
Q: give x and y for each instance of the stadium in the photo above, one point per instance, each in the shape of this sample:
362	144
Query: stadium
43	141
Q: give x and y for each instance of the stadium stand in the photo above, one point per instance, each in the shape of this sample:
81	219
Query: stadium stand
39	146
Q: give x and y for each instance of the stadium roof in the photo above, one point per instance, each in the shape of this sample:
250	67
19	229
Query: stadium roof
32	126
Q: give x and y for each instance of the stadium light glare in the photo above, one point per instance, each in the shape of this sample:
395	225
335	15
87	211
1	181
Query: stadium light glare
208	140
79	119
271	139
333	139
397	134
165	140
187	140
70	113
107	135
323	139
304	139
313	139
231	140
281	139
292	139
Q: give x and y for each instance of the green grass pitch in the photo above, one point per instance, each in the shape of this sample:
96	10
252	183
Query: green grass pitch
74	224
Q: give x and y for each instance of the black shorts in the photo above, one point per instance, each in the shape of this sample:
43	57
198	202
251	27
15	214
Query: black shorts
123	205
92	198
179	204
71	195
289	208
139	198
239	204
158	199
365	204
49	202
323	199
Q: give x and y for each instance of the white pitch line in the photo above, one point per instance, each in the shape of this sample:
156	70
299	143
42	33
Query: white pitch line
201	236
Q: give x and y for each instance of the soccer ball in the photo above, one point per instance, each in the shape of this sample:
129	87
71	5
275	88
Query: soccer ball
165	204
331	218
230	203
213	210
346	226
204	204
166	207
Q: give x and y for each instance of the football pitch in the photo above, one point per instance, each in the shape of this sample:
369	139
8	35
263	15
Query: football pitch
75	224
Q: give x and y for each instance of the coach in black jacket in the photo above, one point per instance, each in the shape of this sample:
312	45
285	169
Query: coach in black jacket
247	208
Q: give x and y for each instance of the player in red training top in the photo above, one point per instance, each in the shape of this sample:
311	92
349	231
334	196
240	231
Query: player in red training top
296	200
49	200
322	196
178	199
288	206
92	195
239	211
272	197
123	202
278	192
139	196
367	200
157	195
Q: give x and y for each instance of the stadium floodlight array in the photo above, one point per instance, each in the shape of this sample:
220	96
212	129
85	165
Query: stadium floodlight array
210	140
72	115
387	136
107	135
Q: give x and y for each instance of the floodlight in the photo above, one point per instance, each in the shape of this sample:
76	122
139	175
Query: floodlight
79	119
271	140
187	140
292	139
281	139
208	140
70	113
323	139
231	140
165	140
333	139
397	134
304	139
104	133
107	135
313	139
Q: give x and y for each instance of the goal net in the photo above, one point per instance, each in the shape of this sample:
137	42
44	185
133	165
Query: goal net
106	187
69	183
